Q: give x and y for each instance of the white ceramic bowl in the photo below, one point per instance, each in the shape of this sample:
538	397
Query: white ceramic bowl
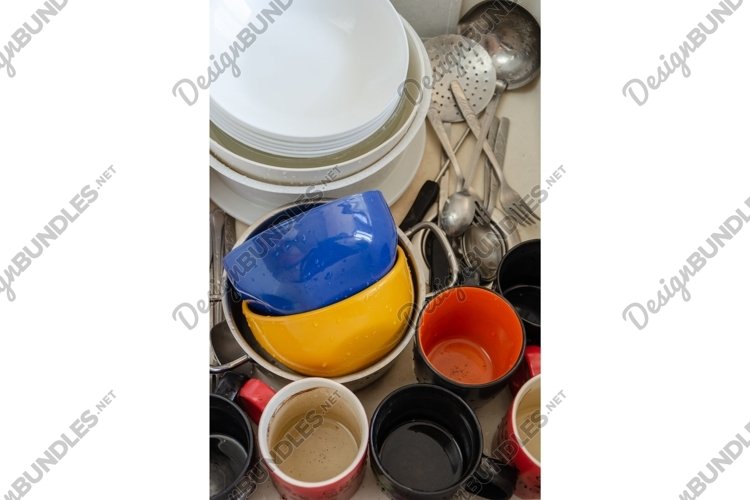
301	172
334	186
392	175
317	71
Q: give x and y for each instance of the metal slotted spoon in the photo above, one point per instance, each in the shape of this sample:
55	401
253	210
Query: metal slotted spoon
456	58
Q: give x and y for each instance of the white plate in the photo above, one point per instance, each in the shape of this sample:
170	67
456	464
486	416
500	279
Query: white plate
295	149
396	178
298	147
320	70
284	170
226	118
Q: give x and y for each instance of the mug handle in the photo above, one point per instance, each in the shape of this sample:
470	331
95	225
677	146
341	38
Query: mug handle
531	366
443	240
251	395
493	479
534	358
229	385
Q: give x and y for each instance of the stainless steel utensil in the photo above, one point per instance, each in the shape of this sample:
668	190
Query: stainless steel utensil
499	149
454	57
511	202
218	223
476	154
437	125
442	179
483	249
509	231
221	340
223	238
512	37
458	210
445	160
458	213
483	245
488	181
493	216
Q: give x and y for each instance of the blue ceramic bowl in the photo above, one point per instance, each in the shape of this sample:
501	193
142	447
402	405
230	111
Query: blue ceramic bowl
317	257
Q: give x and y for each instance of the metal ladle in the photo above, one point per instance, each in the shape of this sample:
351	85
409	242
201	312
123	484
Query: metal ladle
511	35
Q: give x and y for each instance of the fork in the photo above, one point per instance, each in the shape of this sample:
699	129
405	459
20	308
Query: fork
483	218
509	198
512	203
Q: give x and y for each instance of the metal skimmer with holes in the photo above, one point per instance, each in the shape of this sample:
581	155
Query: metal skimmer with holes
454	57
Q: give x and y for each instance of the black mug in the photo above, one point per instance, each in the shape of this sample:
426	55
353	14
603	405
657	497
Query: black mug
426	443
231	442
519	281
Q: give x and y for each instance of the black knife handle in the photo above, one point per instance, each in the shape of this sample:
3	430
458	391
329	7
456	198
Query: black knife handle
427	195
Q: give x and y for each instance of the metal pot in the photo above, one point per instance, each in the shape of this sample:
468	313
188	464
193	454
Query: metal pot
280	375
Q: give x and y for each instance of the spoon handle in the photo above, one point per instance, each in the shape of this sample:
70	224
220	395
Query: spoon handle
489	179
447	162
473	121
432	115
476	155
500	147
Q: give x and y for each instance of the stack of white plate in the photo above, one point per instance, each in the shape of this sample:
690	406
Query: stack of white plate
318	107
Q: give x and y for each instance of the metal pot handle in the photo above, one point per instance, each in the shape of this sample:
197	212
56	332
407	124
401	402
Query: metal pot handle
452	262
219	369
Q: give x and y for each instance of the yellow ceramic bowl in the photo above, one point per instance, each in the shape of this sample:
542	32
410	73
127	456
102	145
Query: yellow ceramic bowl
344	337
